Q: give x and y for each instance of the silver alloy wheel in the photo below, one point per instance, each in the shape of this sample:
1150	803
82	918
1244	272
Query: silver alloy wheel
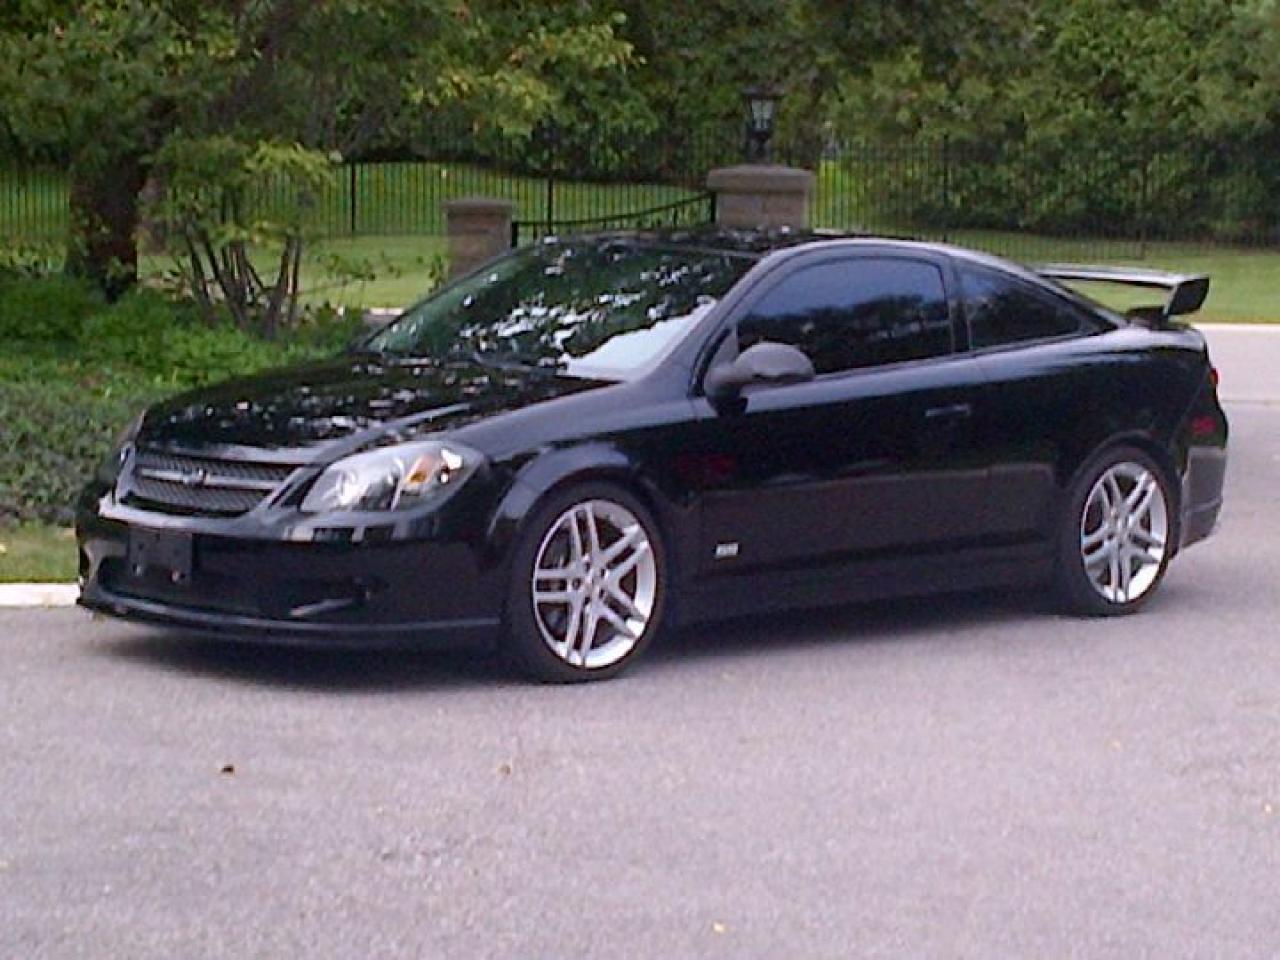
595	582
1124	532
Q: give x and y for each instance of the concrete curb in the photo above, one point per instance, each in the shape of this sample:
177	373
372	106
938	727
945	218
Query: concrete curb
38	594
1238	327
377	317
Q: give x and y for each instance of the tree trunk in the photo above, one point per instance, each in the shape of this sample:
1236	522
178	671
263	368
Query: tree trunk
104	222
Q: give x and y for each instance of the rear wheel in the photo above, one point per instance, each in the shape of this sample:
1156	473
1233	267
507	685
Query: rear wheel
1116	535
588	586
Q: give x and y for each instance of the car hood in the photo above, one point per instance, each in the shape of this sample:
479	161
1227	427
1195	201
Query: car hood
343	403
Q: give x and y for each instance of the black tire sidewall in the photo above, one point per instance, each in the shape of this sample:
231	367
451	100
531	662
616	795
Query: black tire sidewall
522	639
1074	589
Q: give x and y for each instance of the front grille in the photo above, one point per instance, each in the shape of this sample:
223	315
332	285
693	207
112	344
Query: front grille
201	485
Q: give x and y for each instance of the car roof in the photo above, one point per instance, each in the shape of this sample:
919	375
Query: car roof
759	243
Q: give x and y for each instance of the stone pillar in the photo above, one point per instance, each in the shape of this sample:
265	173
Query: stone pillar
761	196
479	229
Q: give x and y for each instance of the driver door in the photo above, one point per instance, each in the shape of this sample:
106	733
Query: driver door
870	459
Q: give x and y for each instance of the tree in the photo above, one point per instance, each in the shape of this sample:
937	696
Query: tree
1077	115
119	85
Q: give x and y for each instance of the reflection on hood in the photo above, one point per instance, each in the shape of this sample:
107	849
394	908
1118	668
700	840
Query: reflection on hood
321	403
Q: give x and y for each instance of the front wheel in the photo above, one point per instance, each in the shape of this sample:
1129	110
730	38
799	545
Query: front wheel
588	586
1116	534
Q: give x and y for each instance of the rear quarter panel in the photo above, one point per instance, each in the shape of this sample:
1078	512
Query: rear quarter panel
1050	407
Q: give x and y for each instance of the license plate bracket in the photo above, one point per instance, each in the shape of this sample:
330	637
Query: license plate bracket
166	551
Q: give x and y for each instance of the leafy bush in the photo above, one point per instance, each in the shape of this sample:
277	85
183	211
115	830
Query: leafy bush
129	333
325	332
57	428
167	341
197	355
50	310
74	370
29	259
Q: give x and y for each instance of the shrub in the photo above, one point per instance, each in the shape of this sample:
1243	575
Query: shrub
130	332
325	332
72	377
168	341
58	427
195	355
29	259
50	311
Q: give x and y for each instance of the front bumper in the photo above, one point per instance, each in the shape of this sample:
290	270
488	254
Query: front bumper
437	634
333	594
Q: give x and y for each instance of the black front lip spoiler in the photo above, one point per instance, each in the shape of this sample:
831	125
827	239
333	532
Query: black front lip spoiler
471	634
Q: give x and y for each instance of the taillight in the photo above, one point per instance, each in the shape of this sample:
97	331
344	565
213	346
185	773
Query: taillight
1205	426
1213	376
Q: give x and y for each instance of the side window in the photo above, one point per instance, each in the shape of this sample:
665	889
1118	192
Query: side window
855	312
1000	310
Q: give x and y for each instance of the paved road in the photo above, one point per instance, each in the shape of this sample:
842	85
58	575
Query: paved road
966	778
1248	357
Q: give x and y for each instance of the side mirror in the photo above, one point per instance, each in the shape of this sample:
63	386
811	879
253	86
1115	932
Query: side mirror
767	363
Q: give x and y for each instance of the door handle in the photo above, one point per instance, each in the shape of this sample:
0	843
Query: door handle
951	411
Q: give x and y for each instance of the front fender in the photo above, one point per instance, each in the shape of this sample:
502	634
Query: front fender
596	460
541	475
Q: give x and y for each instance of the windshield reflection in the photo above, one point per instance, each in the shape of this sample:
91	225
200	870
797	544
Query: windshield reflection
590	308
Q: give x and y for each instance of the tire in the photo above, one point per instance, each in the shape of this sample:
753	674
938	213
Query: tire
1116	534
576	612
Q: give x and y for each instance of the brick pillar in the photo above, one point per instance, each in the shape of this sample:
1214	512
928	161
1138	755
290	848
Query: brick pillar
761	196
479	229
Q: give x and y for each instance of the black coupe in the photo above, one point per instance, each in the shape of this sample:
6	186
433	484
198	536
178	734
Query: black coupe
591	438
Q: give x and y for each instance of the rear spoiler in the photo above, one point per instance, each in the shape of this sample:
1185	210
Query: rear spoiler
1186	292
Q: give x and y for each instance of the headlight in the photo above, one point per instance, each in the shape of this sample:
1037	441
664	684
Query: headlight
392	478
121	447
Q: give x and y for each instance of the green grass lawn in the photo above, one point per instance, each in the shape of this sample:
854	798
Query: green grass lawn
1245	287
403	269
399	227
35	553
1245	281
384	199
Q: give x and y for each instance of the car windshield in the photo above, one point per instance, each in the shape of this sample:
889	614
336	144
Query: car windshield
594	309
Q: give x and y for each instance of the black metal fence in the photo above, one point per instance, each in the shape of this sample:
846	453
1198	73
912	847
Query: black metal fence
33	204
1011	199
696	211
1032	202
554	179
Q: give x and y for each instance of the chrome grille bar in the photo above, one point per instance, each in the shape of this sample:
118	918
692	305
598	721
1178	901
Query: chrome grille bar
201	485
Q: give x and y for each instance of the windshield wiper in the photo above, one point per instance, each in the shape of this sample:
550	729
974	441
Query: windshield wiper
509	363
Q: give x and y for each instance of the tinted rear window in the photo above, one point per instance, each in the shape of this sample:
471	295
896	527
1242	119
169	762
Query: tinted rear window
1002	310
